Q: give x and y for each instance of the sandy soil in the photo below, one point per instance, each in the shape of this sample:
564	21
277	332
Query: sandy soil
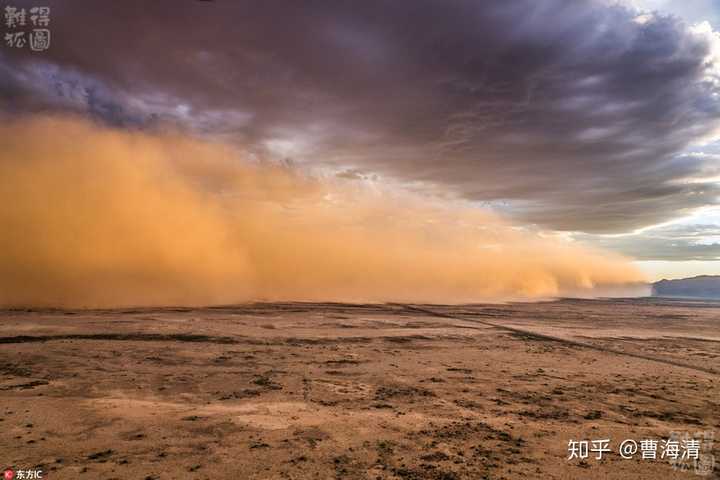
294	391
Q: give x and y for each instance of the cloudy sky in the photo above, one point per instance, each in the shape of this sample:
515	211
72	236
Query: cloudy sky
593	120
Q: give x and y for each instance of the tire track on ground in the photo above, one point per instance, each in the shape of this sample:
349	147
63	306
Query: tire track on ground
550	338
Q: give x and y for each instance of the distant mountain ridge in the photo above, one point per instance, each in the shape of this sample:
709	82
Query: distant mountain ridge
703	286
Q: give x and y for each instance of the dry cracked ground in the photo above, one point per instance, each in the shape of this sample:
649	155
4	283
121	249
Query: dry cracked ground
325	391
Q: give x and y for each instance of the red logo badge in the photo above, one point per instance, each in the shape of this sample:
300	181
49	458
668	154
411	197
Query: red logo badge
9	474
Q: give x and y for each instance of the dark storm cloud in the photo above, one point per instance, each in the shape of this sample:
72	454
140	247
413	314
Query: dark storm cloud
573	112
40	86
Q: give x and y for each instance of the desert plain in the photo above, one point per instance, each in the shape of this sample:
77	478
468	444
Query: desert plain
350	391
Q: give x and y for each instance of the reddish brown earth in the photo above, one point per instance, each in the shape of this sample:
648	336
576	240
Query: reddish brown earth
295	391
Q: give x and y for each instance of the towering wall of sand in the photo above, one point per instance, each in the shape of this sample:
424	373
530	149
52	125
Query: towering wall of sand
91	216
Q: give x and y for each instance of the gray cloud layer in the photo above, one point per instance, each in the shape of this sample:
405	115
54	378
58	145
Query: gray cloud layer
671	242
571	111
